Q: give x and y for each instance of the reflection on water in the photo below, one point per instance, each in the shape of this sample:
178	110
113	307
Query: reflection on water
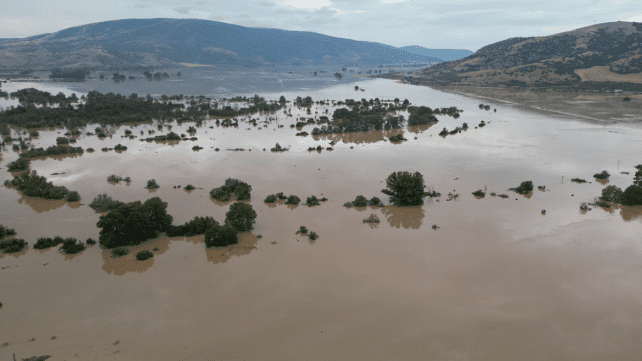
42	205
247	243
406	217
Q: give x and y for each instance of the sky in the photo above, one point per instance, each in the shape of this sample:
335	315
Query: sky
436	24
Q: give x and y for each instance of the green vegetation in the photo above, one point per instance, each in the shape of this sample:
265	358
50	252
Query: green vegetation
72	246
421	115
241	216
397	138
232	186
524	188
120	147
372	219
144	255
151	184
62	140
272	198
578	180
33	185
47	242
119	252
603	175
116	179
73	196
103	203
189	187
90	241
302	230
313	236
405	189
19	165
278	148
314	201
134	223
5	232
198	225
479	193
221	236
12	245
293	200
52	150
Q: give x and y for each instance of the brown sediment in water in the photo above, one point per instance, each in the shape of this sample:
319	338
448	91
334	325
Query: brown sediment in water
496	280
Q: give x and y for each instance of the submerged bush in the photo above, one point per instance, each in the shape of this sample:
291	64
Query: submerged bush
302	230
73	196
4	231
198	225
103	203
19	164
72	246
221	236
313	236
372	219
33	185
603	175
90	241
375	202
241	216
144	255
12	245
151	184
312	201
46	242
405	188
632	196
293	200
578	180
119	252
189	187
612	194
479	193
232	186
272	198
524	187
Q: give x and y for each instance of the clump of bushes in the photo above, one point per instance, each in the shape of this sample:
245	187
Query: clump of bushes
372	219
479	193
578	180
19	165
602	175
72	246
33	185
198	225
313	236
524	188
144	255
62	140
4	231
12	245
302	230
52	150
104	203
241	216
90	241
134	223
151	184
293	200
189	187
272	198
196	147
397	138
314	201
221	236
73	196
119	252
278	148
120	147
503	196
232	186
116	178
47	242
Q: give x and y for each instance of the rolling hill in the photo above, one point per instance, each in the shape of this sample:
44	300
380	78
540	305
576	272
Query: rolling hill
443	54
602	53
168	42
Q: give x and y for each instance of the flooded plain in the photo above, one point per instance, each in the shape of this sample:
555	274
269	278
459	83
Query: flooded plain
496	279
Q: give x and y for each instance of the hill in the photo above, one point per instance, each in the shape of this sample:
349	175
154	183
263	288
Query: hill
607	54
168	42
443	54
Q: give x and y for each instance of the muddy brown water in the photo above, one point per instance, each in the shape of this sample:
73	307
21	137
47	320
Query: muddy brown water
496	280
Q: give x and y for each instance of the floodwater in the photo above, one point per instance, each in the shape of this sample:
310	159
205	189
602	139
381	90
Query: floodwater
495	280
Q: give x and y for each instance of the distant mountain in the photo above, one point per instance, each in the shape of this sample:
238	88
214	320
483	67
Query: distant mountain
443	54
169	42
602	53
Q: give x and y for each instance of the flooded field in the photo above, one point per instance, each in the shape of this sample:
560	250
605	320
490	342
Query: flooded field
494	280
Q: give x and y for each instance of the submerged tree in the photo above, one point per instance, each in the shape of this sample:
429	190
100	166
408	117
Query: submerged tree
405	188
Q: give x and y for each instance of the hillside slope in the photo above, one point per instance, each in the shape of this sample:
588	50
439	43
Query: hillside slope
443	54
167	42
609	52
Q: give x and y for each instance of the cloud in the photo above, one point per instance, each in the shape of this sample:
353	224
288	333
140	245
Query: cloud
305	4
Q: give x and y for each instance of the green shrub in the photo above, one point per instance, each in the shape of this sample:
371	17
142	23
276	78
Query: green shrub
33	185
151	184
90	241
302	230
312	201
313	236
19	164
103	203
372	219
73	196
503	196
72	246
524	187
397	138
232	186
144	255
632	196
281	196
293	200
114	178
220	194
479	193
12	245
46	242
375	202
189	187
62	140
603	175
405	189
270	199
4	231
578	180
119	252
360	201
612	194
198	225
348	204
241	216
134	223
221	236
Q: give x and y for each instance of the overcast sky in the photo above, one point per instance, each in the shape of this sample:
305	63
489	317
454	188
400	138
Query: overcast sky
451	24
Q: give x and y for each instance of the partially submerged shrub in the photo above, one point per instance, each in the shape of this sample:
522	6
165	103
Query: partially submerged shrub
189	187
12	245
220	194
360	201
375	202
584	206
312	201
62	140
372	219
198	225
313	236
278	148
632	196
221	236
302	230
232	186
119	252
4	231
151	184
578	180
103	203
47	242
241	216
405	188
33	185
120	147
90	241
612	194
602	175
272	198
397	138
479	193
524	188
293	200
73	196
144	255
72	246
114	178
19	164
503	196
